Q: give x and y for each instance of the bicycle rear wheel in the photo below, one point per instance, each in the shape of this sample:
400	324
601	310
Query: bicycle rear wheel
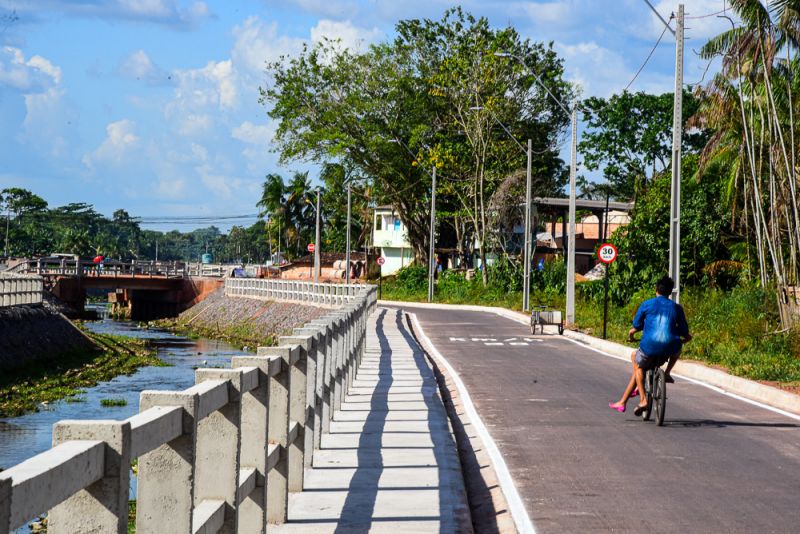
659	395
648	394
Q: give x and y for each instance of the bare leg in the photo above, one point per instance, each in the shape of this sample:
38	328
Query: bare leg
631	384
672	361
639	373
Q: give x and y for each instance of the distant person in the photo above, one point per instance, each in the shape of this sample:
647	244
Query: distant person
664	331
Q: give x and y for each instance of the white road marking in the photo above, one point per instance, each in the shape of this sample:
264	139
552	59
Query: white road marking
518	344
518	512
493	344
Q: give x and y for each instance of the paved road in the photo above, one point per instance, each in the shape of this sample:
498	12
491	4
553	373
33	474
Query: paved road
718	464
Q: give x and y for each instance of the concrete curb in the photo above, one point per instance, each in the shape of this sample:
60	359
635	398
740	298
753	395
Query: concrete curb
742	387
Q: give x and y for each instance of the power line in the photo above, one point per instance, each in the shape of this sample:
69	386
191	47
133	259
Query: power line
647	59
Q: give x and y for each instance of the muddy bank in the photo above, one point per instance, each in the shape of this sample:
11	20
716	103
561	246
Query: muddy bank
36	333
243	321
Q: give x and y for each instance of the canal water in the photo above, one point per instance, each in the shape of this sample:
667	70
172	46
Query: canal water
25	436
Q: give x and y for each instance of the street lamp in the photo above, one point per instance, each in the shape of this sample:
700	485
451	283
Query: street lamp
526	282
572	172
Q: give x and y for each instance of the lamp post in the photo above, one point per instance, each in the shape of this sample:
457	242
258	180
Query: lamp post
431	251
317	244
347	254
572	176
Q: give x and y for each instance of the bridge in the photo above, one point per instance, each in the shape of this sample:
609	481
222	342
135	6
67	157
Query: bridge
144	290
410	418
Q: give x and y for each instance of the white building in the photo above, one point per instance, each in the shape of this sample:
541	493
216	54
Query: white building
390	236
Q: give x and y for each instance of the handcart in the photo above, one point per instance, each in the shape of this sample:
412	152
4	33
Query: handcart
546	316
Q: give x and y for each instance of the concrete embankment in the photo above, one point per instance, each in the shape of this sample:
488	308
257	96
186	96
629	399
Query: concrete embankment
245	321
37	333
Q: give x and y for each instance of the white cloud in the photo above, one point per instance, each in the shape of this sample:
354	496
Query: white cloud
120	140
581	61
194	124
138	66
253	134
211	86
697	29
35	75
257	42
350	36
171	189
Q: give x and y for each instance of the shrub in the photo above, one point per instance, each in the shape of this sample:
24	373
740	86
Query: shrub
412	278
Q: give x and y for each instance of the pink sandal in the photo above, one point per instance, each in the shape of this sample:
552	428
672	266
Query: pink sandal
620	409
635	392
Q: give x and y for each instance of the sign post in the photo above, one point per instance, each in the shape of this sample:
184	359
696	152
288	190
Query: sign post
380	261
607	253
310	249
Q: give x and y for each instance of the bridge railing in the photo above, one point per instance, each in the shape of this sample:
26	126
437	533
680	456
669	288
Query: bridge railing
16	289
292	290
222	455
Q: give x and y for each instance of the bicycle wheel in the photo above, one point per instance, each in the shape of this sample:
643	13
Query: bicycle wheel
648	394
659	395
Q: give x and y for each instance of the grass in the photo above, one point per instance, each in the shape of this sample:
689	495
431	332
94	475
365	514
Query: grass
110	403
733	330
245	334
65	376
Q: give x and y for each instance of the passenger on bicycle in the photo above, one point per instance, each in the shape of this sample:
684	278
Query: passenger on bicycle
664	330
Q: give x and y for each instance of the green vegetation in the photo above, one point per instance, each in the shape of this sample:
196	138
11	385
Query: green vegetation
243	334
733	329
110	403
24	389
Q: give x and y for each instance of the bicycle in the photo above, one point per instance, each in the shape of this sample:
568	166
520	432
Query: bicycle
655	392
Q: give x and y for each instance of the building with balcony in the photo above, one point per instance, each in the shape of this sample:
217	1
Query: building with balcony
390	237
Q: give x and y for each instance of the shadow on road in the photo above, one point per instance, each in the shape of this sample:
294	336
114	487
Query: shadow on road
695	423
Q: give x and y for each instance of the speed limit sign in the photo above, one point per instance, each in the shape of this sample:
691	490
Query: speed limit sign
380	260
607	253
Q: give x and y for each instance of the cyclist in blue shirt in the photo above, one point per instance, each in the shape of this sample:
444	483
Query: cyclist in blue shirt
664	330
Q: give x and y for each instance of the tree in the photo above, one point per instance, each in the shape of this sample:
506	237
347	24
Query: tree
629	137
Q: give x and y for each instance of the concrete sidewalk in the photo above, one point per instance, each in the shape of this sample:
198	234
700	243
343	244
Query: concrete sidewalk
389	463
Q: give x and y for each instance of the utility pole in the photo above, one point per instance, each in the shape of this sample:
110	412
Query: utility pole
317	246
156	250
526	290
431	252
8	222
347	255
571	244
677	134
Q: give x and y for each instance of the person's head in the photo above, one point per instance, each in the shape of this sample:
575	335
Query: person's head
665	286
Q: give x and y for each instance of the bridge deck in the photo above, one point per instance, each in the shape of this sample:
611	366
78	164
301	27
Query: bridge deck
389	463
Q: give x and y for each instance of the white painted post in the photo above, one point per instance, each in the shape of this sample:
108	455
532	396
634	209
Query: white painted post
165	485
252	510
278	434
103	506
216	474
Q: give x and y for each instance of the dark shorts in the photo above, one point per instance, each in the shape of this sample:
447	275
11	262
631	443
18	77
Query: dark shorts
650	362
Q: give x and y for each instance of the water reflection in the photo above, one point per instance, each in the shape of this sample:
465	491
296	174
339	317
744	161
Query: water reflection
28	435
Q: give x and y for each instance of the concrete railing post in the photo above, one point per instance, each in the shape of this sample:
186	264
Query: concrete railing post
5	505
103	506
278	435
165	485
317	355
327	369
216	476
308	403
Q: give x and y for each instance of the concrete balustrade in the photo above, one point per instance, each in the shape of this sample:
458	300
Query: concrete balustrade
19	290
220	456
293	291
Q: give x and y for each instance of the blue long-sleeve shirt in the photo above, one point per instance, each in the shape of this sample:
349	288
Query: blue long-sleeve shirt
662	323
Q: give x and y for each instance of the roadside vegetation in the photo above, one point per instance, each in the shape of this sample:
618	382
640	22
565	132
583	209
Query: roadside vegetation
39	383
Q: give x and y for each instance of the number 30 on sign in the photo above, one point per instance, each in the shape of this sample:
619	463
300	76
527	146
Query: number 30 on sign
607	253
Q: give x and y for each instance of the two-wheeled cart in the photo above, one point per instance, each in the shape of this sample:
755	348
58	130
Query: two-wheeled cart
542	316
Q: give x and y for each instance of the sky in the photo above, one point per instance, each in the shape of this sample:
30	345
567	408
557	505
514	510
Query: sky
152	105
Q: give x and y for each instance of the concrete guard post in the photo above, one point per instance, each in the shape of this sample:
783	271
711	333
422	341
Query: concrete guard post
298	409
252	510
5	505
217	450
165	485
103	506
308	346
321	337
278	434
328	381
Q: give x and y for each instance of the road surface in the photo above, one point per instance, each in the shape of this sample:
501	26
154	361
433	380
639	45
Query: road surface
717	465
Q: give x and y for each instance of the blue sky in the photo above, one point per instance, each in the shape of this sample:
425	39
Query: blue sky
151	105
